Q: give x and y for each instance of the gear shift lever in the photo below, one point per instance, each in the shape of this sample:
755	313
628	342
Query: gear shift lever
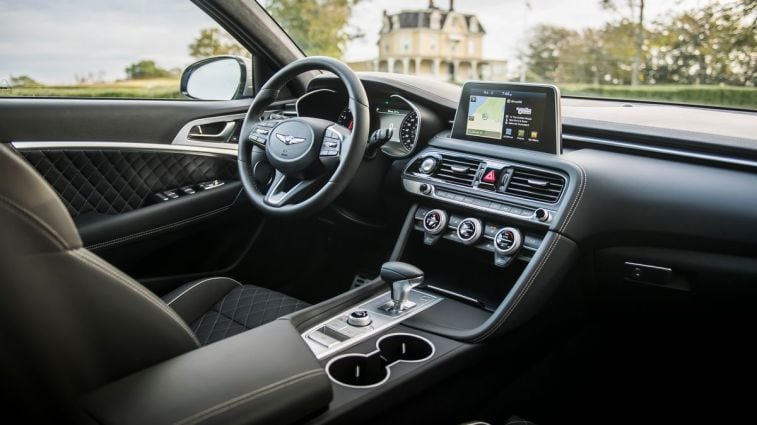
403	277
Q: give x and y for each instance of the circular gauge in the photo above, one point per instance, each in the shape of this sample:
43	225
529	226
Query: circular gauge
345	118
409	131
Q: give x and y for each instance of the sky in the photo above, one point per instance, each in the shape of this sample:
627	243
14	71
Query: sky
54	40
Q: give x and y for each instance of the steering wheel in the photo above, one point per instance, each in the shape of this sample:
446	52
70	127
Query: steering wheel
294	167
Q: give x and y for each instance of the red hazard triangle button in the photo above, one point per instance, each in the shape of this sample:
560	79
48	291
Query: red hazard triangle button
490	177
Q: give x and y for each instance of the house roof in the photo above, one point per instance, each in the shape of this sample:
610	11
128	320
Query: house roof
422	18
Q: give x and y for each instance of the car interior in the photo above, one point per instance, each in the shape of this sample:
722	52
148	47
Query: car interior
328	246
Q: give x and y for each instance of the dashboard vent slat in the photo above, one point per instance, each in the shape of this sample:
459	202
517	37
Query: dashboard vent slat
535	185
457	170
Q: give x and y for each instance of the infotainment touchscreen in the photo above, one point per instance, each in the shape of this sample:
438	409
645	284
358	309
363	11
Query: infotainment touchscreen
523	116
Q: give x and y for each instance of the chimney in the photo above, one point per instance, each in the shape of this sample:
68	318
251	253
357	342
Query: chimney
451	5
431	4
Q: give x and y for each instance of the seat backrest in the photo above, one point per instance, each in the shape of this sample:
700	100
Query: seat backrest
69	317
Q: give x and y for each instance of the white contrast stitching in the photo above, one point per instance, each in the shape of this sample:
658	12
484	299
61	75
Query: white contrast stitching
201	282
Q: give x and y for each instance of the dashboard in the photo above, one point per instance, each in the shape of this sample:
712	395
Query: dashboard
605	175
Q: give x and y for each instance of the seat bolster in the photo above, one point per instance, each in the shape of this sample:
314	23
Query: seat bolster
194	299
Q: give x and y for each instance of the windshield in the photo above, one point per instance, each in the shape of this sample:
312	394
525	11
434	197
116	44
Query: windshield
683	51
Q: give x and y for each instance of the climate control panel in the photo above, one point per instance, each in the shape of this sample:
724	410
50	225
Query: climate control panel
503	240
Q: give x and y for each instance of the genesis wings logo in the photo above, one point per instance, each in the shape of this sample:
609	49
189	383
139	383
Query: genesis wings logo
289	140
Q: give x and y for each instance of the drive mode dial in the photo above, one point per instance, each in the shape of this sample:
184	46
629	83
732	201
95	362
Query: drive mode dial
435	221
469	230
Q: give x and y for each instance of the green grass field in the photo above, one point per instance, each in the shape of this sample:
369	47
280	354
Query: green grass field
163	88
737	97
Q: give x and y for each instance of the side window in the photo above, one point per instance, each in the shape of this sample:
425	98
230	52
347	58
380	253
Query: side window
92	48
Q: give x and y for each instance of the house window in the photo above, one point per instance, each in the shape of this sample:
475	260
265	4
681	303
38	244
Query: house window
471	47
407	44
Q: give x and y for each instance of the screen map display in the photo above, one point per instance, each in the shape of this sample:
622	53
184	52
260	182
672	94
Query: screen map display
516	115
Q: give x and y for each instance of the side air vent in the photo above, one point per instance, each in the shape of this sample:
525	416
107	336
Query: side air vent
458	170
535	185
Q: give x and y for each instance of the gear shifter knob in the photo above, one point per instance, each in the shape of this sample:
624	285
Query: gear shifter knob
403	277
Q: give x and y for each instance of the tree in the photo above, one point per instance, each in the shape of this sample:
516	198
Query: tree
716	44
23	81
145	69
319	27
546	49
636	15
214	42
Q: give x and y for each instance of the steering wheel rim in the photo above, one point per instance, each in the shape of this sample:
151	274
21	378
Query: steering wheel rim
306	157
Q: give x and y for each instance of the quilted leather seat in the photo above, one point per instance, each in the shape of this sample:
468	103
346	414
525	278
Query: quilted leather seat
76	321
219	307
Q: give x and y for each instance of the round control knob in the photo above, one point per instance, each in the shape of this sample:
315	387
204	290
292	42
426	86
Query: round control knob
542	215
425	188
428	165
435	221
469	230
507	241
359	318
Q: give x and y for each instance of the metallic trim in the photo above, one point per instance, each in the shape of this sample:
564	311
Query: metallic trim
128	146
558	110
488	163
417	130
414	187
665	269
378	350
182	137
392	321
662	150
297	103
452	293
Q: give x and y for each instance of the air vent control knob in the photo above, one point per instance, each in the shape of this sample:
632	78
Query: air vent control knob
428	165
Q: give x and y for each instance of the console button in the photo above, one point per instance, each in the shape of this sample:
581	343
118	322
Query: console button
359	318
435	221
490	177
469	231
507	241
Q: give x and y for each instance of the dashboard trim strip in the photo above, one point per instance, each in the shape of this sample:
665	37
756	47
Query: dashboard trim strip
661	150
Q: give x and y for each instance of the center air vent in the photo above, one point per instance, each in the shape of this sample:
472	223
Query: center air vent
457	170
535	185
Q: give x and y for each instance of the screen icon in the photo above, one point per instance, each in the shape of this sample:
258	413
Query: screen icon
521	134
534	134
508	132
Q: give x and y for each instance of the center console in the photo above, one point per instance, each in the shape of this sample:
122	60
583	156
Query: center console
483	238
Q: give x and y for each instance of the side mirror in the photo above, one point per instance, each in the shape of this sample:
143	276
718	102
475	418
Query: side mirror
217	78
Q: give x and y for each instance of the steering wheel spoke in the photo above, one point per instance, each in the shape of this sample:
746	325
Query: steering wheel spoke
286	189
260	132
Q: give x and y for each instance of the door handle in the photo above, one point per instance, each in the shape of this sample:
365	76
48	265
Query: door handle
222	136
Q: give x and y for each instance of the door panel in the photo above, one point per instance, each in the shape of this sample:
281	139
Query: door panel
124	120
107	159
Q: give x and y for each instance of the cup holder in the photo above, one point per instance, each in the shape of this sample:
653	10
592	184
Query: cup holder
373	369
